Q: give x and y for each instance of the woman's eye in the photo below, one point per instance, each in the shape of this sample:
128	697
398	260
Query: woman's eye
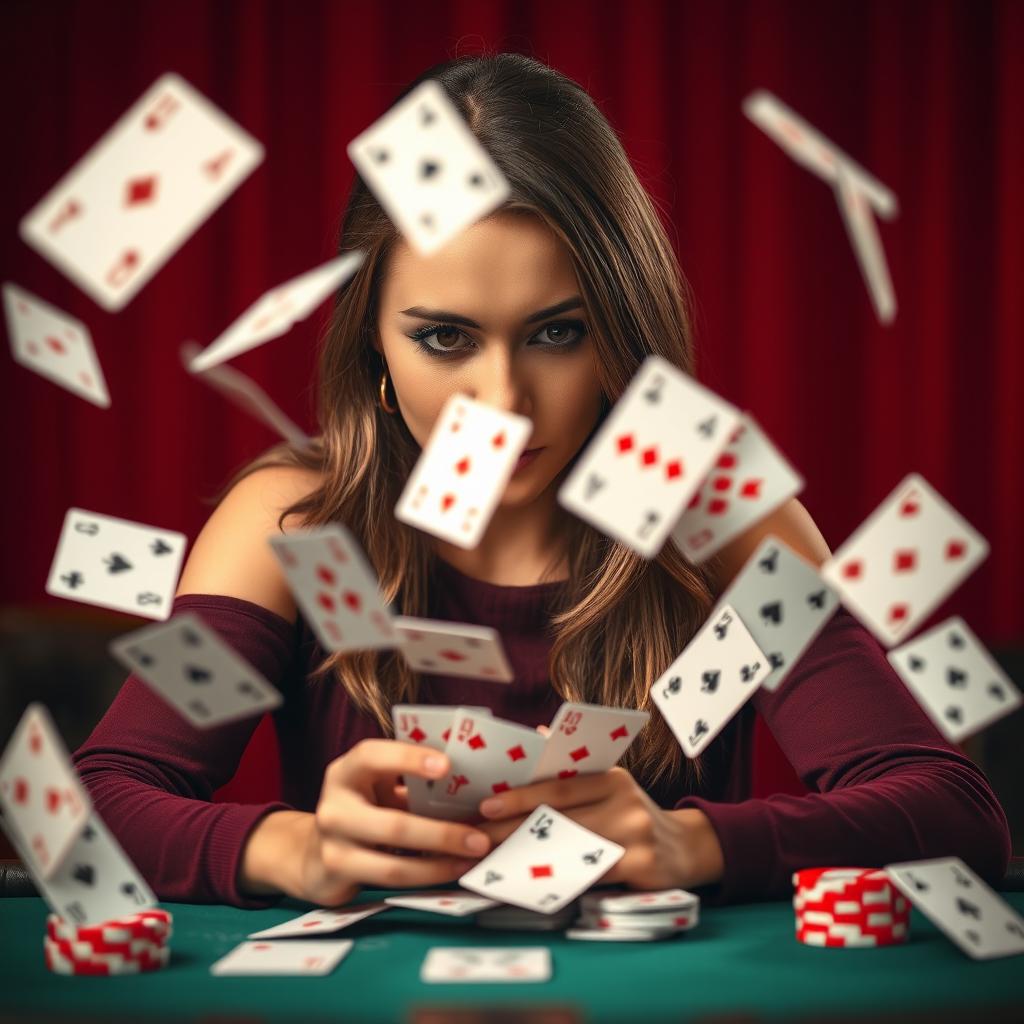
442	339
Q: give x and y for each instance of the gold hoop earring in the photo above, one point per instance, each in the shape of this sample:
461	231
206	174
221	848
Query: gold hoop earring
391	410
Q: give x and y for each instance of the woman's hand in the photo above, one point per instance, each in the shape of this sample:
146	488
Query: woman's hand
664	849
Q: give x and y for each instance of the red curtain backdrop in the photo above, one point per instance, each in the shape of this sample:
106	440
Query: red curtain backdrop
926	95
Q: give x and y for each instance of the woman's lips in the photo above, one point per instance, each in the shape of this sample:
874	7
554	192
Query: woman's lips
527	457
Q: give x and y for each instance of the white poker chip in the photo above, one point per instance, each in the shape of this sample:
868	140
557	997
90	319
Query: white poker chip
624	901
620	935
674	921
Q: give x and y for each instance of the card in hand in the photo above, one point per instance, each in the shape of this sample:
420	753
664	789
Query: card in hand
130	203
54	345
648	458
442	901
485	963
276	312
749	479
453	649
960	904
43	799
784	604
545	864
587	738
955	679
427	169
904	560
114	563
199	674
322	921
284	956
462	472
716	674
333	584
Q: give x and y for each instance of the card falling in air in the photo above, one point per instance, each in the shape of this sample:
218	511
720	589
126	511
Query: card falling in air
453	649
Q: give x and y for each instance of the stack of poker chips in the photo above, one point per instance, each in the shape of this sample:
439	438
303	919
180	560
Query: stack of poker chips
635	916
849	907
510	918
128	945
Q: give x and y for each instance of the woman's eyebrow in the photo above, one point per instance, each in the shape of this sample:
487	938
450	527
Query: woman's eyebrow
456	318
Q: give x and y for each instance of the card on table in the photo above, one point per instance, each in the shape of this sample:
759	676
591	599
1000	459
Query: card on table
462	472
961	905
545	864
621	901
322	921
955	679
486	963
197	672
750	479
453	649
648	458
284	956
587	738
904	560
427	169
784	604
336	589
715	675
54	345
276	312
114	563
442	901
130	203
42	796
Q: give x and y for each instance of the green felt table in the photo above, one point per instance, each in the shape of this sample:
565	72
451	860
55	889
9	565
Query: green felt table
740	960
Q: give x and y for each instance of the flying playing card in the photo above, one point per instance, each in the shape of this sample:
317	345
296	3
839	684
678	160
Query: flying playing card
904	560
587	738
442	901
95	882
42	797
285	956
114	563
955	679
716	674
960	904
547	862
128	205
485	963
427	169
279	310
461	474
322	921
750	479
201	676
335	588
54	345
649	457
784	604
453	649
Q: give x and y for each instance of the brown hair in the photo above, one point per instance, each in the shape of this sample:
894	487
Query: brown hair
622	619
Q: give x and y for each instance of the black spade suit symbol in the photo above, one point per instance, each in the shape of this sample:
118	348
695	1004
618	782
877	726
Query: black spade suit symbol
198	675
967	908
918	885
130	889
917	664
476	180
191	637
84	873
769	562
817	599
118	563
954	714
674	684
996	691
142	657
491	877
776	660
956	677
772	612
380	156
429	169
160	547
709	681
956	640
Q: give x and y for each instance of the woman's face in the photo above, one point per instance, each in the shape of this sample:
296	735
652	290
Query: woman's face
471	318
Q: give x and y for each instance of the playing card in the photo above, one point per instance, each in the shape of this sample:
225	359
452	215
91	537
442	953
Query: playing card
335	588
619	901
114	563
442	901
276	312
486	963
749	479
650	455
54	345
42	797
716	674
784	604
547	862
322	921
427	169
453	649
95	882
487	756
128	205
960	904
462	472
284	956
955	679
904	560
587	738
200	675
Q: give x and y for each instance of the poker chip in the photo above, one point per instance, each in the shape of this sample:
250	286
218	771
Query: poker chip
126	945
634	916
60	960
673	922
849	908
625	901
148	925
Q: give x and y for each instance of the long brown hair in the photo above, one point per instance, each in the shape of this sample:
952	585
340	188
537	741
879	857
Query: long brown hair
622	619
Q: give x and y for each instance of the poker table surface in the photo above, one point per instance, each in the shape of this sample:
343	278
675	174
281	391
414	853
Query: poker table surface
741	963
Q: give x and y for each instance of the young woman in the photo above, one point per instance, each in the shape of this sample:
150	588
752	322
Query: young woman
546	308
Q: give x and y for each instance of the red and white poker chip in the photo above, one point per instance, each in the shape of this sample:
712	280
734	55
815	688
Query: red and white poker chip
849	907
61	960
148	925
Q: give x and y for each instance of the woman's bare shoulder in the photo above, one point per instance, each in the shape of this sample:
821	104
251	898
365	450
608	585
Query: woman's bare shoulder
231	556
